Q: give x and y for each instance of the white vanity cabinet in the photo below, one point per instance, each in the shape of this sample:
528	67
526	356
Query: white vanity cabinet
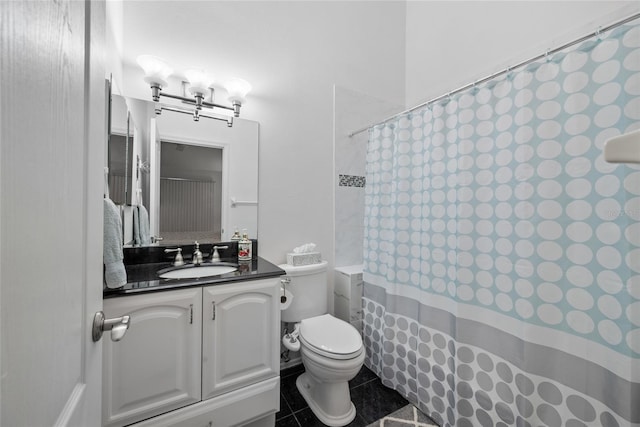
202	356
156	367
240	335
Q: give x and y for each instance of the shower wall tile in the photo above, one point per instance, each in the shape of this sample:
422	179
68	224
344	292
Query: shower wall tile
350	153
352	110
349	225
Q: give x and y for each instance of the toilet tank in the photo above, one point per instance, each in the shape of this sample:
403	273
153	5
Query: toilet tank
309	289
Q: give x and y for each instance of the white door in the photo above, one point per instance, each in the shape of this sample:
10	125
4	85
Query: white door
52	135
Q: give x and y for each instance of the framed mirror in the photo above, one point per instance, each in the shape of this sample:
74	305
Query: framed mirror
197	180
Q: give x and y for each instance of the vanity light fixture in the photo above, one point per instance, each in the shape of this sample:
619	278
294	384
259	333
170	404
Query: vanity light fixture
197	91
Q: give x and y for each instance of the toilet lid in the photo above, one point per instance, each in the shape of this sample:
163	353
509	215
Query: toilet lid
331	335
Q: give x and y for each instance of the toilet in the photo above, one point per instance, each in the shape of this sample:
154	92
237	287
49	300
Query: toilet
332	350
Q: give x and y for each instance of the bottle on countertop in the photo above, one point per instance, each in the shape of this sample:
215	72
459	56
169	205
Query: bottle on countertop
236	235
245	245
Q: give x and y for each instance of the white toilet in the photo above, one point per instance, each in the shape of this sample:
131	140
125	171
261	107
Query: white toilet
331	349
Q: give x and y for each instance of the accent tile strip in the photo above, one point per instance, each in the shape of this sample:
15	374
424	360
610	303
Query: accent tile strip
351	181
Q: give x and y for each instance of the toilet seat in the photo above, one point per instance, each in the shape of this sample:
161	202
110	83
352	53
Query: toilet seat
331	337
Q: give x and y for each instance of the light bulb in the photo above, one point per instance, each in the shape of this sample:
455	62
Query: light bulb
156	70
199	81
237	90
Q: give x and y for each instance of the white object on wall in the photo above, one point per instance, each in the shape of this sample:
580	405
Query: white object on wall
623	148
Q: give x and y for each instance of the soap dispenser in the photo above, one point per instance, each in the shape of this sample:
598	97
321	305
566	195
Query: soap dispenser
245	247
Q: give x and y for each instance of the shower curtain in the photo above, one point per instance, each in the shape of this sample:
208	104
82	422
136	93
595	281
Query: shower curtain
502	253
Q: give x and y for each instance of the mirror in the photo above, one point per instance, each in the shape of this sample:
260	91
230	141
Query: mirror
120	152
197	180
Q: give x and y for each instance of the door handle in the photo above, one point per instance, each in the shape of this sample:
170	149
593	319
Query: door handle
118	326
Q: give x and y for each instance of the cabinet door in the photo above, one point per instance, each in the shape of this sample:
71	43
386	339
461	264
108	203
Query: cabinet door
156	367
240	335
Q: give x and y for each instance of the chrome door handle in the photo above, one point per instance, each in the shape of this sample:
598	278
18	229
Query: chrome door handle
118	326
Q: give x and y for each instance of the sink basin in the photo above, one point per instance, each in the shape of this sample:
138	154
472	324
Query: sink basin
194	272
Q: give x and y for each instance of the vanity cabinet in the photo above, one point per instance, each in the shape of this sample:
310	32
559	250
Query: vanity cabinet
240	340
202	356
156	367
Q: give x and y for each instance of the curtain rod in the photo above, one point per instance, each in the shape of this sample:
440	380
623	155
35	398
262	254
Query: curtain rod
599	31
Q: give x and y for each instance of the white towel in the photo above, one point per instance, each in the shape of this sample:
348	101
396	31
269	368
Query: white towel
141	233
106	182
137	239
115	274
143	218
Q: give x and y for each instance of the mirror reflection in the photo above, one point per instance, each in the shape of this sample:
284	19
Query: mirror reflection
190	193
192	180
120	152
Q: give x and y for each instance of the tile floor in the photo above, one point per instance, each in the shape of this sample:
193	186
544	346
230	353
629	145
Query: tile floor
372	400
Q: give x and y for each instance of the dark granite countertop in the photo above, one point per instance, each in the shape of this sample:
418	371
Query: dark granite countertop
144	278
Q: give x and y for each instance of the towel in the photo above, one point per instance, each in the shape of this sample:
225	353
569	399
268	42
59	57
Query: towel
115	275
106	182
136	227
141	233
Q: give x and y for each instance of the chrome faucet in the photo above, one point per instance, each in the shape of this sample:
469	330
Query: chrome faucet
216	256
197	255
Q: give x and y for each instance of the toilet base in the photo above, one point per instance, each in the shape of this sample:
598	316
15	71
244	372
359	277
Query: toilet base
306	385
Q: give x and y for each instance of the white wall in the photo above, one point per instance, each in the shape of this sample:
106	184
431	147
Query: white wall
292	53
113	44
453	43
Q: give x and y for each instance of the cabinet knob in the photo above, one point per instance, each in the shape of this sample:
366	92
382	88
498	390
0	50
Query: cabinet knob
118	326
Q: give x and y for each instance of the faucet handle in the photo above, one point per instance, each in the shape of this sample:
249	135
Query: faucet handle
216	256
178	260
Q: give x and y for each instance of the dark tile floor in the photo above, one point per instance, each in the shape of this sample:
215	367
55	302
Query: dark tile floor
371	399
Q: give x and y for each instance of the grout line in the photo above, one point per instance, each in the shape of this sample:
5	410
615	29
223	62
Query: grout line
286	402
364	383
296	419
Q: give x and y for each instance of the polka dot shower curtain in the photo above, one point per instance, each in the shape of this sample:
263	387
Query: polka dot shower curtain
502	253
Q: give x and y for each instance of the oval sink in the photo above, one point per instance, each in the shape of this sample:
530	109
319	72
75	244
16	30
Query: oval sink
194	272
